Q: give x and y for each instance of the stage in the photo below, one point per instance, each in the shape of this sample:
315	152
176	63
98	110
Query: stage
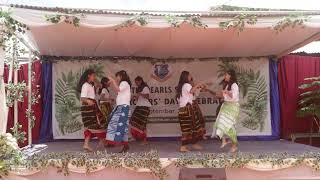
266	160
170	149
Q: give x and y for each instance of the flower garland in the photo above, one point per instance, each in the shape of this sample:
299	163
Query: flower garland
238	22
63	161
242	160
35	96
10	27
16	92
66	18
151	161
19	135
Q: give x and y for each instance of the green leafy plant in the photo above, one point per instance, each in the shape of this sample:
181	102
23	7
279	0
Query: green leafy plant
309	103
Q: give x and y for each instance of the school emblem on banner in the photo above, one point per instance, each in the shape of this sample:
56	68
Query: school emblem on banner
161	72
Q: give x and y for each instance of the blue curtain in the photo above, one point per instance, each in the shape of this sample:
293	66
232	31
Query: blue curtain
274	98
274	105
46	93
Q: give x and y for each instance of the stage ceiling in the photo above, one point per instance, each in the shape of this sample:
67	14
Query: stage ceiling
99	35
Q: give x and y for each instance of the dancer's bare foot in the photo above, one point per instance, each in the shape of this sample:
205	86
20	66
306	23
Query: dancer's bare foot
144	142
125	148
234	148
197	147
108	145
224	143
87	148
102	143
184	149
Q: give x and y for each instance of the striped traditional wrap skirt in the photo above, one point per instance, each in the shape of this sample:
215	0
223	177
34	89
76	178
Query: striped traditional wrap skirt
106	109
93	121
191	126
138	122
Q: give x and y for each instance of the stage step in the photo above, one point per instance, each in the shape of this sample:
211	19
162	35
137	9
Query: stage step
202	174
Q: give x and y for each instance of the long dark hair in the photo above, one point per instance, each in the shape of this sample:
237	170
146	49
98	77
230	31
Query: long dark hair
183	79
104	81
124	76
233	78
142	85
84	78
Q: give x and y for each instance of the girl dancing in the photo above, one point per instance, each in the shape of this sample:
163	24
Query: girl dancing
229	112
192	130
117	131
140	114
105	100
198	111
94	124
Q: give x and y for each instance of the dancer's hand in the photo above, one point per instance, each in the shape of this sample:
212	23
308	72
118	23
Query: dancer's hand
111	79
219	94
90	102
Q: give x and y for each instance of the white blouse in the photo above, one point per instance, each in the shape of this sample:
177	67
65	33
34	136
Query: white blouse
186	95
196	94
87	91
144	101
105	95
235	93
124	95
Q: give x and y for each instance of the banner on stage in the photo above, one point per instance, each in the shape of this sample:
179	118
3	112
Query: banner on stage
163	77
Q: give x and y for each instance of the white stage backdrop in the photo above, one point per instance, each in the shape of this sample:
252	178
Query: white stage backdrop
162	77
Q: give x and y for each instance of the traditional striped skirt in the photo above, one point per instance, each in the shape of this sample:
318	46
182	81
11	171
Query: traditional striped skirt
117	132
92	118
106	110
138	122
199	115
190	124
226	121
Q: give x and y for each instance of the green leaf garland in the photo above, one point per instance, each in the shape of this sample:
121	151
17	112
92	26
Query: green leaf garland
294	20
239	22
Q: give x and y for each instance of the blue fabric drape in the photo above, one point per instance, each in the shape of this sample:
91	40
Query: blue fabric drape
274	105
46	133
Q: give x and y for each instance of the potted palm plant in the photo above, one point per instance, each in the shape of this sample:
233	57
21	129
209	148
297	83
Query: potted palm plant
309	105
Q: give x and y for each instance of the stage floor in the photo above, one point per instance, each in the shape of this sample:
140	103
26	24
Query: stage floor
169	149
